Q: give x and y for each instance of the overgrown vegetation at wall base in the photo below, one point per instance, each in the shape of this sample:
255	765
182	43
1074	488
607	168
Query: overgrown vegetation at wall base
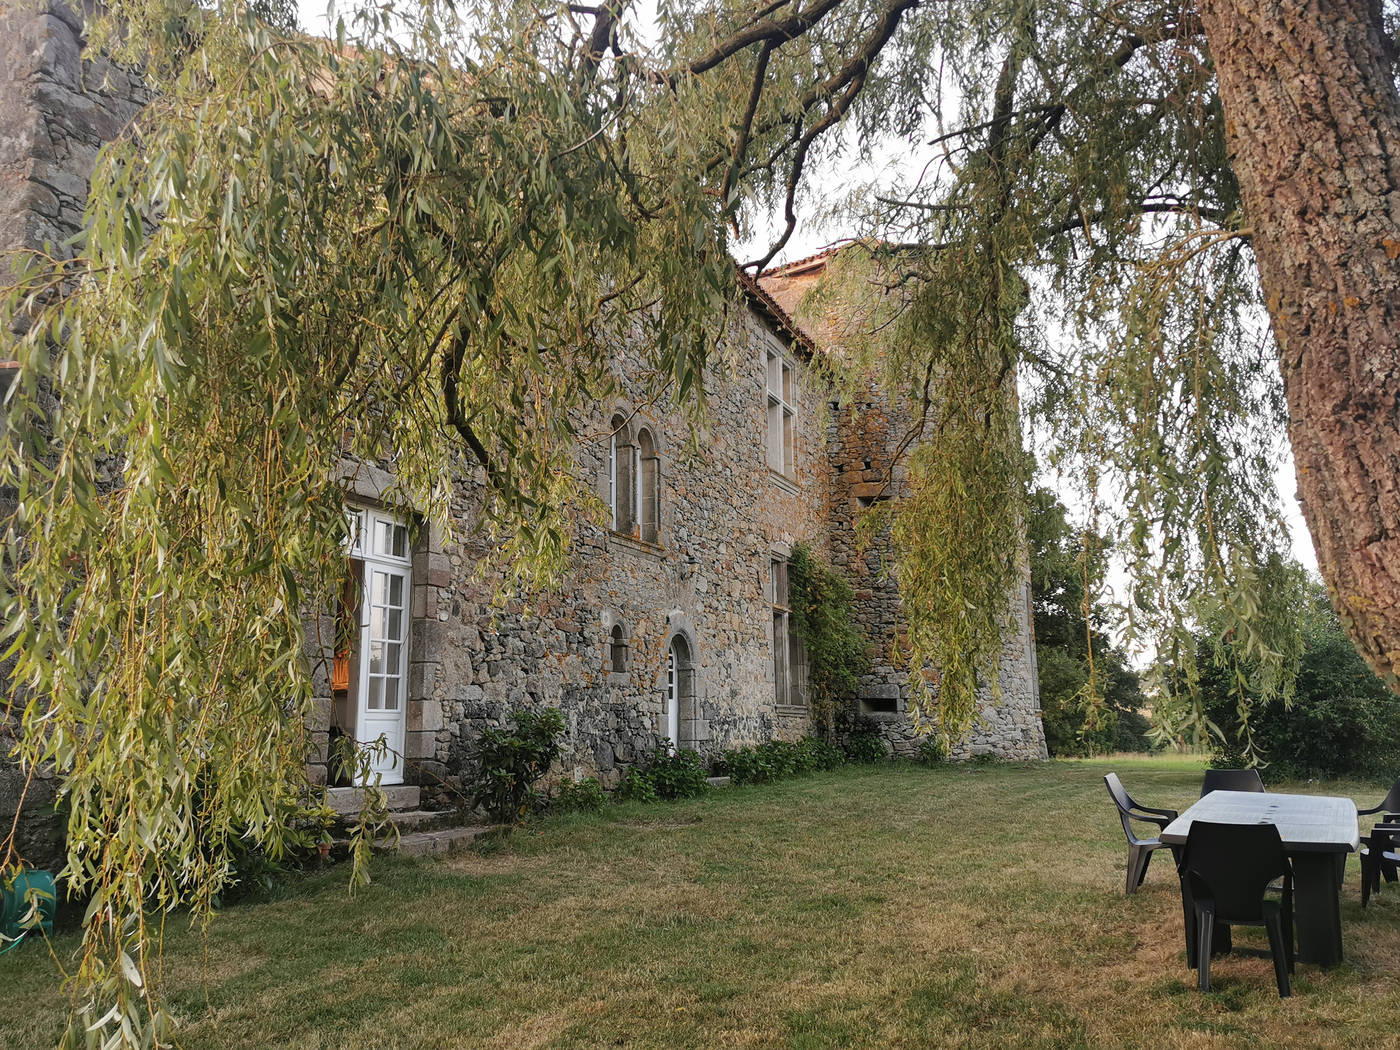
778	760
668	776
581	796
837	653
509	762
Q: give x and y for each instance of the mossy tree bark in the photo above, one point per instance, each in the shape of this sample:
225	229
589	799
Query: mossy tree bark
1313	125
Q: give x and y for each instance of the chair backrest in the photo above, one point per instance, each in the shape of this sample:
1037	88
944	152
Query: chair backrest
1125	805
1117	792
1231	780
1233	864
1392	798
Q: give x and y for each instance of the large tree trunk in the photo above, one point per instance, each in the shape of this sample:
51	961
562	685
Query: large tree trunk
1313	121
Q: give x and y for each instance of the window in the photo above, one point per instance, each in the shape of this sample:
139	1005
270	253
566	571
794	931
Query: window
369	675
679	699
617	650
622	500
648	474
634	482
782	415
789	654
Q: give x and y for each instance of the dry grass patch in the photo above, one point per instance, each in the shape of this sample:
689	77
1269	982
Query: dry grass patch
961	906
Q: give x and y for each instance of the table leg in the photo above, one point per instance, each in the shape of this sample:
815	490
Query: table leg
1317	910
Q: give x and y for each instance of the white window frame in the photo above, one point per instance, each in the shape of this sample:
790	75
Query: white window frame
781	411
396	561
612	482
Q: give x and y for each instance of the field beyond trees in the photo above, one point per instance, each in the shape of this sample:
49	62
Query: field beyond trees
889	906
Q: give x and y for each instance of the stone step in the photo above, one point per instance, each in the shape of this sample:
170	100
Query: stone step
427	819
441	841
348	801
717	782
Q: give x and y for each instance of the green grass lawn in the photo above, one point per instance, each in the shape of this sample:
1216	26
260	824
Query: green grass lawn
959	906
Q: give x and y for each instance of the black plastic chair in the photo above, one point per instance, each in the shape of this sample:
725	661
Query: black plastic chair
1225	870
1390	808
1231	780
1139	850
1378	857
1390	805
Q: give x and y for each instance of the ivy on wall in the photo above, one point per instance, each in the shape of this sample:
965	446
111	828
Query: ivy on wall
837	651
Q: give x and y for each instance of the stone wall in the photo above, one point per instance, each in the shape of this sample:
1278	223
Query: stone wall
864	434
56	112
723	515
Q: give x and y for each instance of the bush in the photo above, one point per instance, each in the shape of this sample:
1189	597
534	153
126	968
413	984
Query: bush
745	765
637	786
510	762
677	774
932	750
865	747
818	755
778	759
1342	721
583	796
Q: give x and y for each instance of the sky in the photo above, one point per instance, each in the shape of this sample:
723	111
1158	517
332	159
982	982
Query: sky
810	237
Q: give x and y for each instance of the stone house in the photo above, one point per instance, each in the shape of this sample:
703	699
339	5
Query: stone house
673	622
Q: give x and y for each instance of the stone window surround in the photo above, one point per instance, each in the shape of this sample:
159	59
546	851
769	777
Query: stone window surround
632	481
781	552
612	621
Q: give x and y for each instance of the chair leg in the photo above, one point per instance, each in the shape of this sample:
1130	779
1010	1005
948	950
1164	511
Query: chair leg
1205	927
1138	859
1365	876
1273	923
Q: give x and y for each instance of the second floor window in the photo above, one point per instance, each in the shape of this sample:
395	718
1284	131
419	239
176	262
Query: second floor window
634	482
782	415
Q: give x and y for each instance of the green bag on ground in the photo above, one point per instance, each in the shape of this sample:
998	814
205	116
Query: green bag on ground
19	896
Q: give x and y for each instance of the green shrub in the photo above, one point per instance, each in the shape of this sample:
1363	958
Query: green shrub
677	774
582	796
865	746
510	762
745	765
818	755
778	759
1342	720
932	750
637	786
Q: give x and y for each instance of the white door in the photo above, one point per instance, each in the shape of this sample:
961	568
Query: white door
673	699
381	542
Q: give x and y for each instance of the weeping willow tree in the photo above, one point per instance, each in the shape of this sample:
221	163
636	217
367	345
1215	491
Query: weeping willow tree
415	243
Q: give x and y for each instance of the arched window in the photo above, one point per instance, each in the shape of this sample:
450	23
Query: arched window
622	473
648	473
617	649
